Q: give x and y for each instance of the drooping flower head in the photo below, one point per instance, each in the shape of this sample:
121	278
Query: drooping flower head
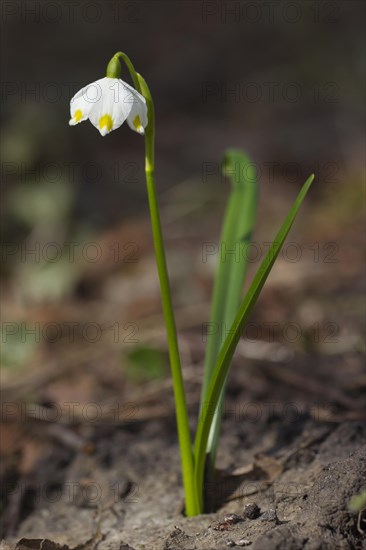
107	103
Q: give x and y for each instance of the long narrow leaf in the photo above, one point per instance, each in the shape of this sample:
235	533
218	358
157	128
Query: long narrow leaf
227	351
231	270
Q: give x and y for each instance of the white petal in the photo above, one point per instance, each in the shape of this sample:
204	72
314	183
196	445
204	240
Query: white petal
82	102
86	99
108	102
137	119
91	93
79	111
115	102
104	131
135	95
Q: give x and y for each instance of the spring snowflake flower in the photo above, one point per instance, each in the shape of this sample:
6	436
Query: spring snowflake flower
107	103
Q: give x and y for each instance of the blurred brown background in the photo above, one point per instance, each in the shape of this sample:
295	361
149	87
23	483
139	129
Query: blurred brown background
283	80
81	317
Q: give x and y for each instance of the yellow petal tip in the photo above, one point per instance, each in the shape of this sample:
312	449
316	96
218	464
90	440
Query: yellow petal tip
105	124
137	124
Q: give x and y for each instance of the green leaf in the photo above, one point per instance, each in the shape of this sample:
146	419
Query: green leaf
222	366
231	270
145	364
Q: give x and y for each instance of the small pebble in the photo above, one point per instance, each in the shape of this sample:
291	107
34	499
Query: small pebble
251	511
230	543
270	515
232	518
243	542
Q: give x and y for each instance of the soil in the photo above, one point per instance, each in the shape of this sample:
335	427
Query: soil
300	463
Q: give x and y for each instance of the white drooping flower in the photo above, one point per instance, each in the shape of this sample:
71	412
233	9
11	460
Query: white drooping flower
107	103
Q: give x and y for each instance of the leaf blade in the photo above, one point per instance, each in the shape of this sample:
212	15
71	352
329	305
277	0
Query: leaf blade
231	270
227	351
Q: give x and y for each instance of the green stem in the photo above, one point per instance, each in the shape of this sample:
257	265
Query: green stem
185	443
184	436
